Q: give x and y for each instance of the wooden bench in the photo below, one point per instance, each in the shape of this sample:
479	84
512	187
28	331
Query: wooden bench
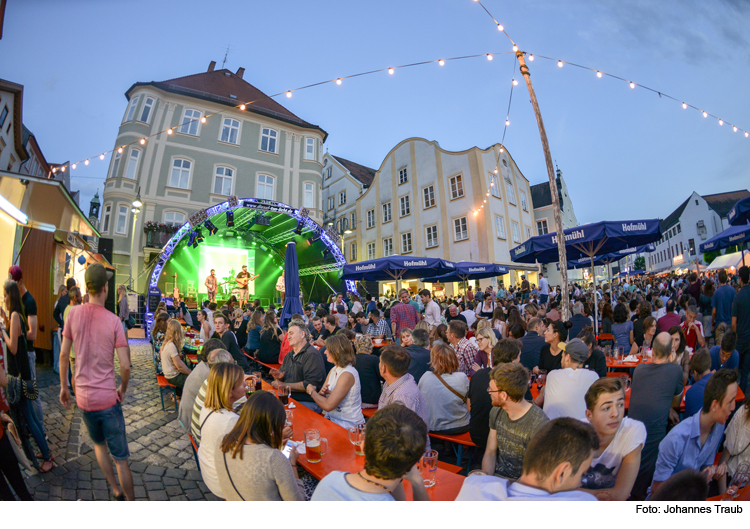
459	442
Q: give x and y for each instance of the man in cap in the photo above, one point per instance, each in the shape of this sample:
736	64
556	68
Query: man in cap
96	334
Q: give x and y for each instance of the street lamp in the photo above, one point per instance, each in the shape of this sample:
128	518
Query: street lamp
135	209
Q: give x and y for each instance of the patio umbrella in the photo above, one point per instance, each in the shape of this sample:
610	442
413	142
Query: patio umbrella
589	240
740	212
466	270
732	236
292	304
396	267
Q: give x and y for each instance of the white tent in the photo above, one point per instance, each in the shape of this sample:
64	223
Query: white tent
729	261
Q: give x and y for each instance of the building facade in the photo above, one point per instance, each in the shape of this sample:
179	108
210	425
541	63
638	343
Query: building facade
214	150
696	220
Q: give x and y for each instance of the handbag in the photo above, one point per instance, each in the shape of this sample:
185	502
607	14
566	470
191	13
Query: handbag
14	390
456	393
130	322
15	442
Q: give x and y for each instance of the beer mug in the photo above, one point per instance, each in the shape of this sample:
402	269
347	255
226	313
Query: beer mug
357	438
625	380
428	468
313	448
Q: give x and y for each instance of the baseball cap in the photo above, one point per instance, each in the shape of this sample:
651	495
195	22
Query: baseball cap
576	349
15	273
96	277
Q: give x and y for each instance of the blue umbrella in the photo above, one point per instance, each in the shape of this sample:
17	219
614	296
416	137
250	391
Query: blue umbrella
585	262
466	270
292	304
631	273
396	267
740	212
734	235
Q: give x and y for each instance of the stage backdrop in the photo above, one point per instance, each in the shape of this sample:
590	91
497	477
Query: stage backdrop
227	262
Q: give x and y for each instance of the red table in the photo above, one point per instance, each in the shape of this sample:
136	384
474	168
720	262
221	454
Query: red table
340	453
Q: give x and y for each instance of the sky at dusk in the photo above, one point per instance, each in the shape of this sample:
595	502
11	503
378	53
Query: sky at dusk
625	153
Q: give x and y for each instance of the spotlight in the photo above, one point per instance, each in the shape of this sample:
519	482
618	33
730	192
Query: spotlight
191	241
326	252
312	240
199	236
212	229
230	219
298	229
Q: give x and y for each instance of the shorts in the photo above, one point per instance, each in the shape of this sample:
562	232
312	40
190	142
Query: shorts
108	426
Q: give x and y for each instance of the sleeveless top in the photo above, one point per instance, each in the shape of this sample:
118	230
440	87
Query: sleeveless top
18	364
203	335
349	411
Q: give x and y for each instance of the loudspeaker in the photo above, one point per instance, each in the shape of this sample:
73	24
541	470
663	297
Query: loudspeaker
106	248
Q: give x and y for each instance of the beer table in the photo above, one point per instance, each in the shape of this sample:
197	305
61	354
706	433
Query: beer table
340	453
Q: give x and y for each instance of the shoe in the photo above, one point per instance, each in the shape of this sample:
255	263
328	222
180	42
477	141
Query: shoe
121	497
47	462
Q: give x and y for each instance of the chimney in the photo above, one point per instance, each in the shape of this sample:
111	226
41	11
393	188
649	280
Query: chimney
211	66
240	72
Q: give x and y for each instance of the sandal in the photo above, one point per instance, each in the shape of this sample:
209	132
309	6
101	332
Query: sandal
51	462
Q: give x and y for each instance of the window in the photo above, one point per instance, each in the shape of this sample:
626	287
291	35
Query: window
387	212
406	242
460	229
309	196
174	217
190	121
541	227
403	176
499	227
388	247
405	205
223	181
370	218
131	108
523	201
180	176
354	220
511	192
353	252
342	198
309	148
494	185
268	142
331	203
457	186
682	248
135	154
122	220
3	115
431	234
115	164
230	131
679	228
146	110
696	201
371	250
516	231
265	187
528	232
105	218
428	196
329	172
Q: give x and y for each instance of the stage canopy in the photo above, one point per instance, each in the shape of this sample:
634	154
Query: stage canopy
251	232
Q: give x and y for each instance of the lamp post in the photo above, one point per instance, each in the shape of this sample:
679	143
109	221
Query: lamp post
135	209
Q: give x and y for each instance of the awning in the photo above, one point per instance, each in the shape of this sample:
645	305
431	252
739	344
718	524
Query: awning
729	261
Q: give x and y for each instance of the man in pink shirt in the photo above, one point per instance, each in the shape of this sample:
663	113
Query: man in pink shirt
97	334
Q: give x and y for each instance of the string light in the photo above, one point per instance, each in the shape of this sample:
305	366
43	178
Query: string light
705	114
515	48
559	63
119	151
242	107
203	119
441	62
390	71
599	75
501	150
721	122
338	81
489	56
289	93
684	105
62	169
74	166
515	82
507	122
632	84
169	131
734	129
143	141
500	27
101	156
747	134
86	162
531	57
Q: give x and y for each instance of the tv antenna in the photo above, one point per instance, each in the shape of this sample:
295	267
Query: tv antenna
226	54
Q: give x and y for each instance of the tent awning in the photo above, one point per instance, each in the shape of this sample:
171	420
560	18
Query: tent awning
730	260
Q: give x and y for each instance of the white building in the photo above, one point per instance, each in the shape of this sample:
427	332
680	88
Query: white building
695	221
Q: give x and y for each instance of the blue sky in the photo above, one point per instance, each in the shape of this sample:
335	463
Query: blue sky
624	153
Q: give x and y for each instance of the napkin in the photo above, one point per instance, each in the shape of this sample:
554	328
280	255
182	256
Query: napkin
631	358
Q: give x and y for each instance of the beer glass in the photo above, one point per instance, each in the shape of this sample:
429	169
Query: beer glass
428	467
313	448
625	382
739	481
283	392
258	380
357	438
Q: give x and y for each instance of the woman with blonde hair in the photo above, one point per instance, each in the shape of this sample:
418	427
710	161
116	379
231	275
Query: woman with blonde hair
368	368
226	385
486	340
498	322
341	394
422	325
444	390
123	311
172	364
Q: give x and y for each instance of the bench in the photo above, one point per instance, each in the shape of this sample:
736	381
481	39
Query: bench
458	441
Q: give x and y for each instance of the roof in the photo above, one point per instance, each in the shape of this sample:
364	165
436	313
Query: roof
721	203
364	174
541	195
673	217
219	86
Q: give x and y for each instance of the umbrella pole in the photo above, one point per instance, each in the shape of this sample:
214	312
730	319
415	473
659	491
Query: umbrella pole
596	305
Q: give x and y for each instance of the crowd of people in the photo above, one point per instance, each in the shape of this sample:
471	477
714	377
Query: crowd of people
529	384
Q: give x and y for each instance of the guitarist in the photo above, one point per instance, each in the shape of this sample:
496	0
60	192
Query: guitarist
242	280
211	286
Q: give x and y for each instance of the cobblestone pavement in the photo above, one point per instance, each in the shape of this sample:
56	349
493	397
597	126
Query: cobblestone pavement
161	458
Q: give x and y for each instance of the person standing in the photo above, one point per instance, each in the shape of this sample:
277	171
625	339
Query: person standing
211	286
243	279
123	311
741	325
403	315
721	302
96	334
543	289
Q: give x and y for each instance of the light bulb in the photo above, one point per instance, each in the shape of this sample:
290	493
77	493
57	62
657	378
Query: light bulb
242	107
476	212
86	162
441	62
169	131
101	157
54	170
485	200
531	57
734	129
632	85
507	122
289	93
515	82
705	114
599	74
684	105
560	63
74	165
338	81
143	141
747	134
500	27
119	151
203	120
390	71
489	56
502	150
515	48
62	169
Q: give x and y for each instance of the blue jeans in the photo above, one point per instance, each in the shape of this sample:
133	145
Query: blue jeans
37	403
36	427
56	352
745	370
125	328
